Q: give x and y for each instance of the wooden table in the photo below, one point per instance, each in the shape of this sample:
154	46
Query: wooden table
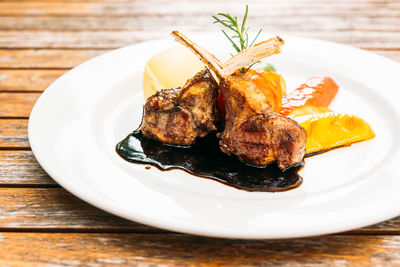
41	223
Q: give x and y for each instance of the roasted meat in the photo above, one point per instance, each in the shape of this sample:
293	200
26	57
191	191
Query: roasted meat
178	116
255	133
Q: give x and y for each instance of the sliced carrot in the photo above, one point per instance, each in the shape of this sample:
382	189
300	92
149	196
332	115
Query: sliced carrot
271	84
316	91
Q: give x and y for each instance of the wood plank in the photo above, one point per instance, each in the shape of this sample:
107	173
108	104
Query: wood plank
185	250
14	133
21	168
186	22
388	227
101	1
269	9
54	209
27	80
72	39
371	2
17	104
42	58
115	39
393	55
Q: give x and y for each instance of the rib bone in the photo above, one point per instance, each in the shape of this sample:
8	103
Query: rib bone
253	54
207	58
244	58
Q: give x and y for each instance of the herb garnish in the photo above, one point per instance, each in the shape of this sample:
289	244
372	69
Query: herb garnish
269	67
240	32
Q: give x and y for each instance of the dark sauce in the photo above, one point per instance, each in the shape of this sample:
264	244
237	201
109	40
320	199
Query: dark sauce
205	159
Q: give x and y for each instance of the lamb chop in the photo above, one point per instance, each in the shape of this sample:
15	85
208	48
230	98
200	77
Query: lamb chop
253	132
178	116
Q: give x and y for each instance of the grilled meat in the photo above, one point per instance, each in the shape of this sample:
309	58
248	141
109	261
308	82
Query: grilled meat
254	132
178	116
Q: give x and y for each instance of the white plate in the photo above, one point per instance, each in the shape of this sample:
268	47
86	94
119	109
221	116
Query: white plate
78	120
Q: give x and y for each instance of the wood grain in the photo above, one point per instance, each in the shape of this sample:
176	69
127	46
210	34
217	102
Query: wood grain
185	250
18	168
27	80
393	55
42	224
96	1
371	2
17	104
73	39
185	23
44	58
171	8
115	39
54	209
14	133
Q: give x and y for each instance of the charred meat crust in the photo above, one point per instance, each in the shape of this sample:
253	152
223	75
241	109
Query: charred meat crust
179	115
253	132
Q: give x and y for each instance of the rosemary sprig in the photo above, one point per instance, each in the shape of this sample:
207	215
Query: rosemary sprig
240	37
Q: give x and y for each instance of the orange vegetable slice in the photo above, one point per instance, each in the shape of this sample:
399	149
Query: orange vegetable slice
316	91
272	85
327	129
307	110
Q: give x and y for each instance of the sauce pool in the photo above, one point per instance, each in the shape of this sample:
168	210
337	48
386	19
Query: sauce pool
205	159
